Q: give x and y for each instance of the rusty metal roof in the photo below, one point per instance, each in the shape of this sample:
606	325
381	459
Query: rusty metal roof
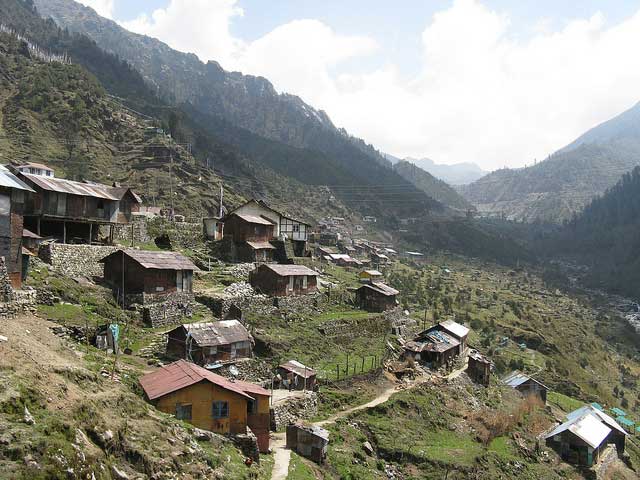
157	260
290	270
381	288
434	341
182	374
8	179
298	368
254	219
211	334
261	245
62	185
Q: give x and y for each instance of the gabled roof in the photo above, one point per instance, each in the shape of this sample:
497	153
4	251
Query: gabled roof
252	219
516	378
157	260
35	165
62	185
455	328
298	368
380	288
9	180
598	413
211	334
289	270
586	427
120	192
432	341
182	374
264	204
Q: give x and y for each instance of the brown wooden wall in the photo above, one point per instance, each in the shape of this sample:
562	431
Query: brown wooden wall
268	282
242	231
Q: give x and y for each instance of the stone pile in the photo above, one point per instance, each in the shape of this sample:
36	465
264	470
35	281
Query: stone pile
249	370
156	348
241	270
248	445
239	289
294	409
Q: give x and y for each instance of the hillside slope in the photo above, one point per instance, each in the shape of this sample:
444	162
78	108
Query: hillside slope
555	189
433	187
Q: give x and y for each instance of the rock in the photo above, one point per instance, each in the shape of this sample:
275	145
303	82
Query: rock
367	448
28	418
3	338
118	474
203	435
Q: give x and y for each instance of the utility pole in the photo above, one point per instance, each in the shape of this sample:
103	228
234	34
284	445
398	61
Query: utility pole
171	185
221	195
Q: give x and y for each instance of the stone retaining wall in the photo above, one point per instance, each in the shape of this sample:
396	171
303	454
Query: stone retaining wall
75	260
297	408
167	310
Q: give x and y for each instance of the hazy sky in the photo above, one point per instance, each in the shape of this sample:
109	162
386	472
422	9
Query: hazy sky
496	82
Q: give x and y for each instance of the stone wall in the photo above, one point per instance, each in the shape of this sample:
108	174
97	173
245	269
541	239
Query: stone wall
166	310
14	302
297	408
75	260
138	226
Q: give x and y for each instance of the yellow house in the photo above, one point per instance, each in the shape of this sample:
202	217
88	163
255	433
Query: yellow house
209	401
370	276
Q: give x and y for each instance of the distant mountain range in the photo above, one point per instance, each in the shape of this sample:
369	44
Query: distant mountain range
560	186
454	174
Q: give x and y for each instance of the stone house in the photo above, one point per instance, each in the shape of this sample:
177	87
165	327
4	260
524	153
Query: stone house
209	401
208	343
526	385
584	435
376	297
13	192
296	376
284	280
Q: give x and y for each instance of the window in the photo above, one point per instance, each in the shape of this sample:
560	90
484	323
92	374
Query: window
296	228
183	412
220	409
252	407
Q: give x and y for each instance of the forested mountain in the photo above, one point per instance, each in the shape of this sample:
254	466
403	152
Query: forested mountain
233	150
455	174
606	236
432	186
556	188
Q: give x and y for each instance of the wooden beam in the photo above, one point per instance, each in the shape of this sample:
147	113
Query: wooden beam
64	232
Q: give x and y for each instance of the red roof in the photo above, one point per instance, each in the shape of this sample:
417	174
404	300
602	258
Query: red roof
182	374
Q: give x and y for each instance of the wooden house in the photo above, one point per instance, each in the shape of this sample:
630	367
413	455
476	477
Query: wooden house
479	368
370	276
376	297
582	438
284	280
12	198
456	330
310	441
296	376
147	275
208	343
209	401
433	348
526	385
71	211
250	237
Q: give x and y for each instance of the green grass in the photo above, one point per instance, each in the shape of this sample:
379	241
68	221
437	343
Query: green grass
565	403
299	470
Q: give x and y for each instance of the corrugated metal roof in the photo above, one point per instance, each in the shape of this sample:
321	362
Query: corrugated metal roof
8	179
253	219
182	374
298	368
455	328
587	427
517	378
210	334
261	245
121	191
35	165
29	234
374	273
157	260
290	270
62	185
381	288
434	341
598	413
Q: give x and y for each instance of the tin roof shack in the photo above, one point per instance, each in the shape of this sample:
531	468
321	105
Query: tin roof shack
584	435
213	228
370	276
12	199
433	348
309	441
457	331
479	368
296	376
376	297
209	401
378	258
284	280
208	343
73	211
526	385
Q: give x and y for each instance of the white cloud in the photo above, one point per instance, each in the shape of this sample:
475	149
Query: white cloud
480	95
102	7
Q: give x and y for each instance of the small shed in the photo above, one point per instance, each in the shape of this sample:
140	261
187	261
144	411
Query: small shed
618	434
213	228
479	368
456	330
148	274
297	376
207	343
376	297
284	280
370	276
526	385
309	441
